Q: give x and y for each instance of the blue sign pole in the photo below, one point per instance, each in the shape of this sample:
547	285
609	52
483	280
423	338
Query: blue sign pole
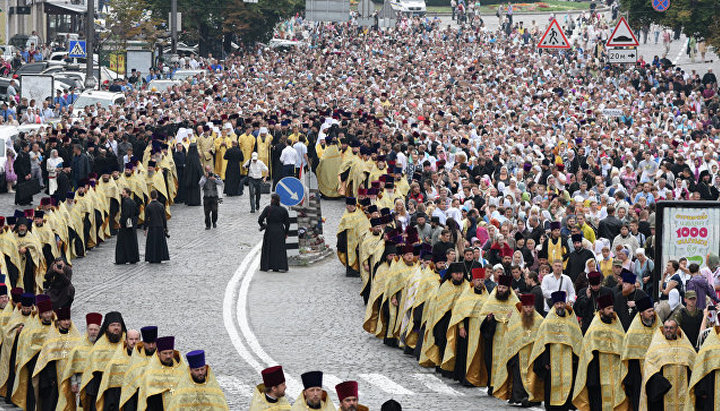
291	191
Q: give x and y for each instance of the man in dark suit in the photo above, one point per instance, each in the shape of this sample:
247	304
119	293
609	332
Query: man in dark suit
609	226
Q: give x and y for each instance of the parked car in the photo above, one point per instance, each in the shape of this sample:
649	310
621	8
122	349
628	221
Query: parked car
162	85
183	75
93	97
38	67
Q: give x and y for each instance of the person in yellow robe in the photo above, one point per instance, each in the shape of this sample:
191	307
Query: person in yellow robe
206	145
263	144
111	382
29	344
436	326
197	389
380	168
350	175
463	356
162	374
554	355
352	223
52	360
328	169
668	362
371	252
108	187
600	366
71	374
313	397
9	248
373	320
222	143
395	284
514	382
246	141
140	357
156	181
704	386
32	268
495	317
11	350
110	339
270	395
45	235
635	344
420	289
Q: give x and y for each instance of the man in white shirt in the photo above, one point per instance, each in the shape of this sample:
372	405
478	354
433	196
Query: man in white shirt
302	157
289	158
557	281
257	173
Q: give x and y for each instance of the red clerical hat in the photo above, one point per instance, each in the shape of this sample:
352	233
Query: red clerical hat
605	301
93	318
347	389
273	376
527	299
478	273
44	306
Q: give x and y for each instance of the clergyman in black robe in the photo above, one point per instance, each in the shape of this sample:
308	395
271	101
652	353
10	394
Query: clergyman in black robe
179	157
126	247
276	222
26	186
156	249
233	177
191	176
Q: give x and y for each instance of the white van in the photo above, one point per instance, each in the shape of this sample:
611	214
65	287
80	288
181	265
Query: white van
91	98
409	7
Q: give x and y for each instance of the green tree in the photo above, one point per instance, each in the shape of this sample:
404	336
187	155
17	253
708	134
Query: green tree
217	22
697	18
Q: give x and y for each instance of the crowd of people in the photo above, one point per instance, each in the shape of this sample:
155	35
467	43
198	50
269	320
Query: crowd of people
466	156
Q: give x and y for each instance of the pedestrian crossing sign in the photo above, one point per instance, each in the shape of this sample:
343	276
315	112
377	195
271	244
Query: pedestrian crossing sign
554	37
77	49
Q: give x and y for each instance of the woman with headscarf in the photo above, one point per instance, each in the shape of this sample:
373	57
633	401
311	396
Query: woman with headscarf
192	174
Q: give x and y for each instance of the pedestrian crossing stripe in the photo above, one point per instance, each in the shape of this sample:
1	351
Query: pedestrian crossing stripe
554	37
77	50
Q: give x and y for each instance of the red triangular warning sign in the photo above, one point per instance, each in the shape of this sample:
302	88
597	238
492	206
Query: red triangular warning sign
554	37
622	36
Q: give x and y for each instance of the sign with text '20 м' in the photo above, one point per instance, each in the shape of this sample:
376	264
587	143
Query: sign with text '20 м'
622	56
291	191
686	229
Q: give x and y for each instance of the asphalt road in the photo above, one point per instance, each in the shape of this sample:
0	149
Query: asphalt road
210	296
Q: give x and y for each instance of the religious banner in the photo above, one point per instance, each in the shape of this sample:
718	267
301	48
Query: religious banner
685	229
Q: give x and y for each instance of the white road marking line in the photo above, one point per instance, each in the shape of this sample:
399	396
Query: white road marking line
294	387
330	381
386	384
233	385
228	301
680	53
436	384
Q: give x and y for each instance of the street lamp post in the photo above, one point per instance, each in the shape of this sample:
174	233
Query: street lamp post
173	24
89	40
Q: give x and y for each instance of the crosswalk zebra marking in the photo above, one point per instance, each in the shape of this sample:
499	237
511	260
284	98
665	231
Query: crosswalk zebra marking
386	384
435	384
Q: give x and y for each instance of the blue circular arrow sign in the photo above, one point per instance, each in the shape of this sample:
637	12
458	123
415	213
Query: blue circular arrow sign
290	190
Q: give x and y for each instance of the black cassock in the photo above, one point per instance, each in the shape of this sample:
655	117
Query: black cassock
191	176
705	393
461	350
126	247
487	330
440	334
276	221
24	189
179	159
234	157
156	249
63	186
47	387
539	368
632	383
13	271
